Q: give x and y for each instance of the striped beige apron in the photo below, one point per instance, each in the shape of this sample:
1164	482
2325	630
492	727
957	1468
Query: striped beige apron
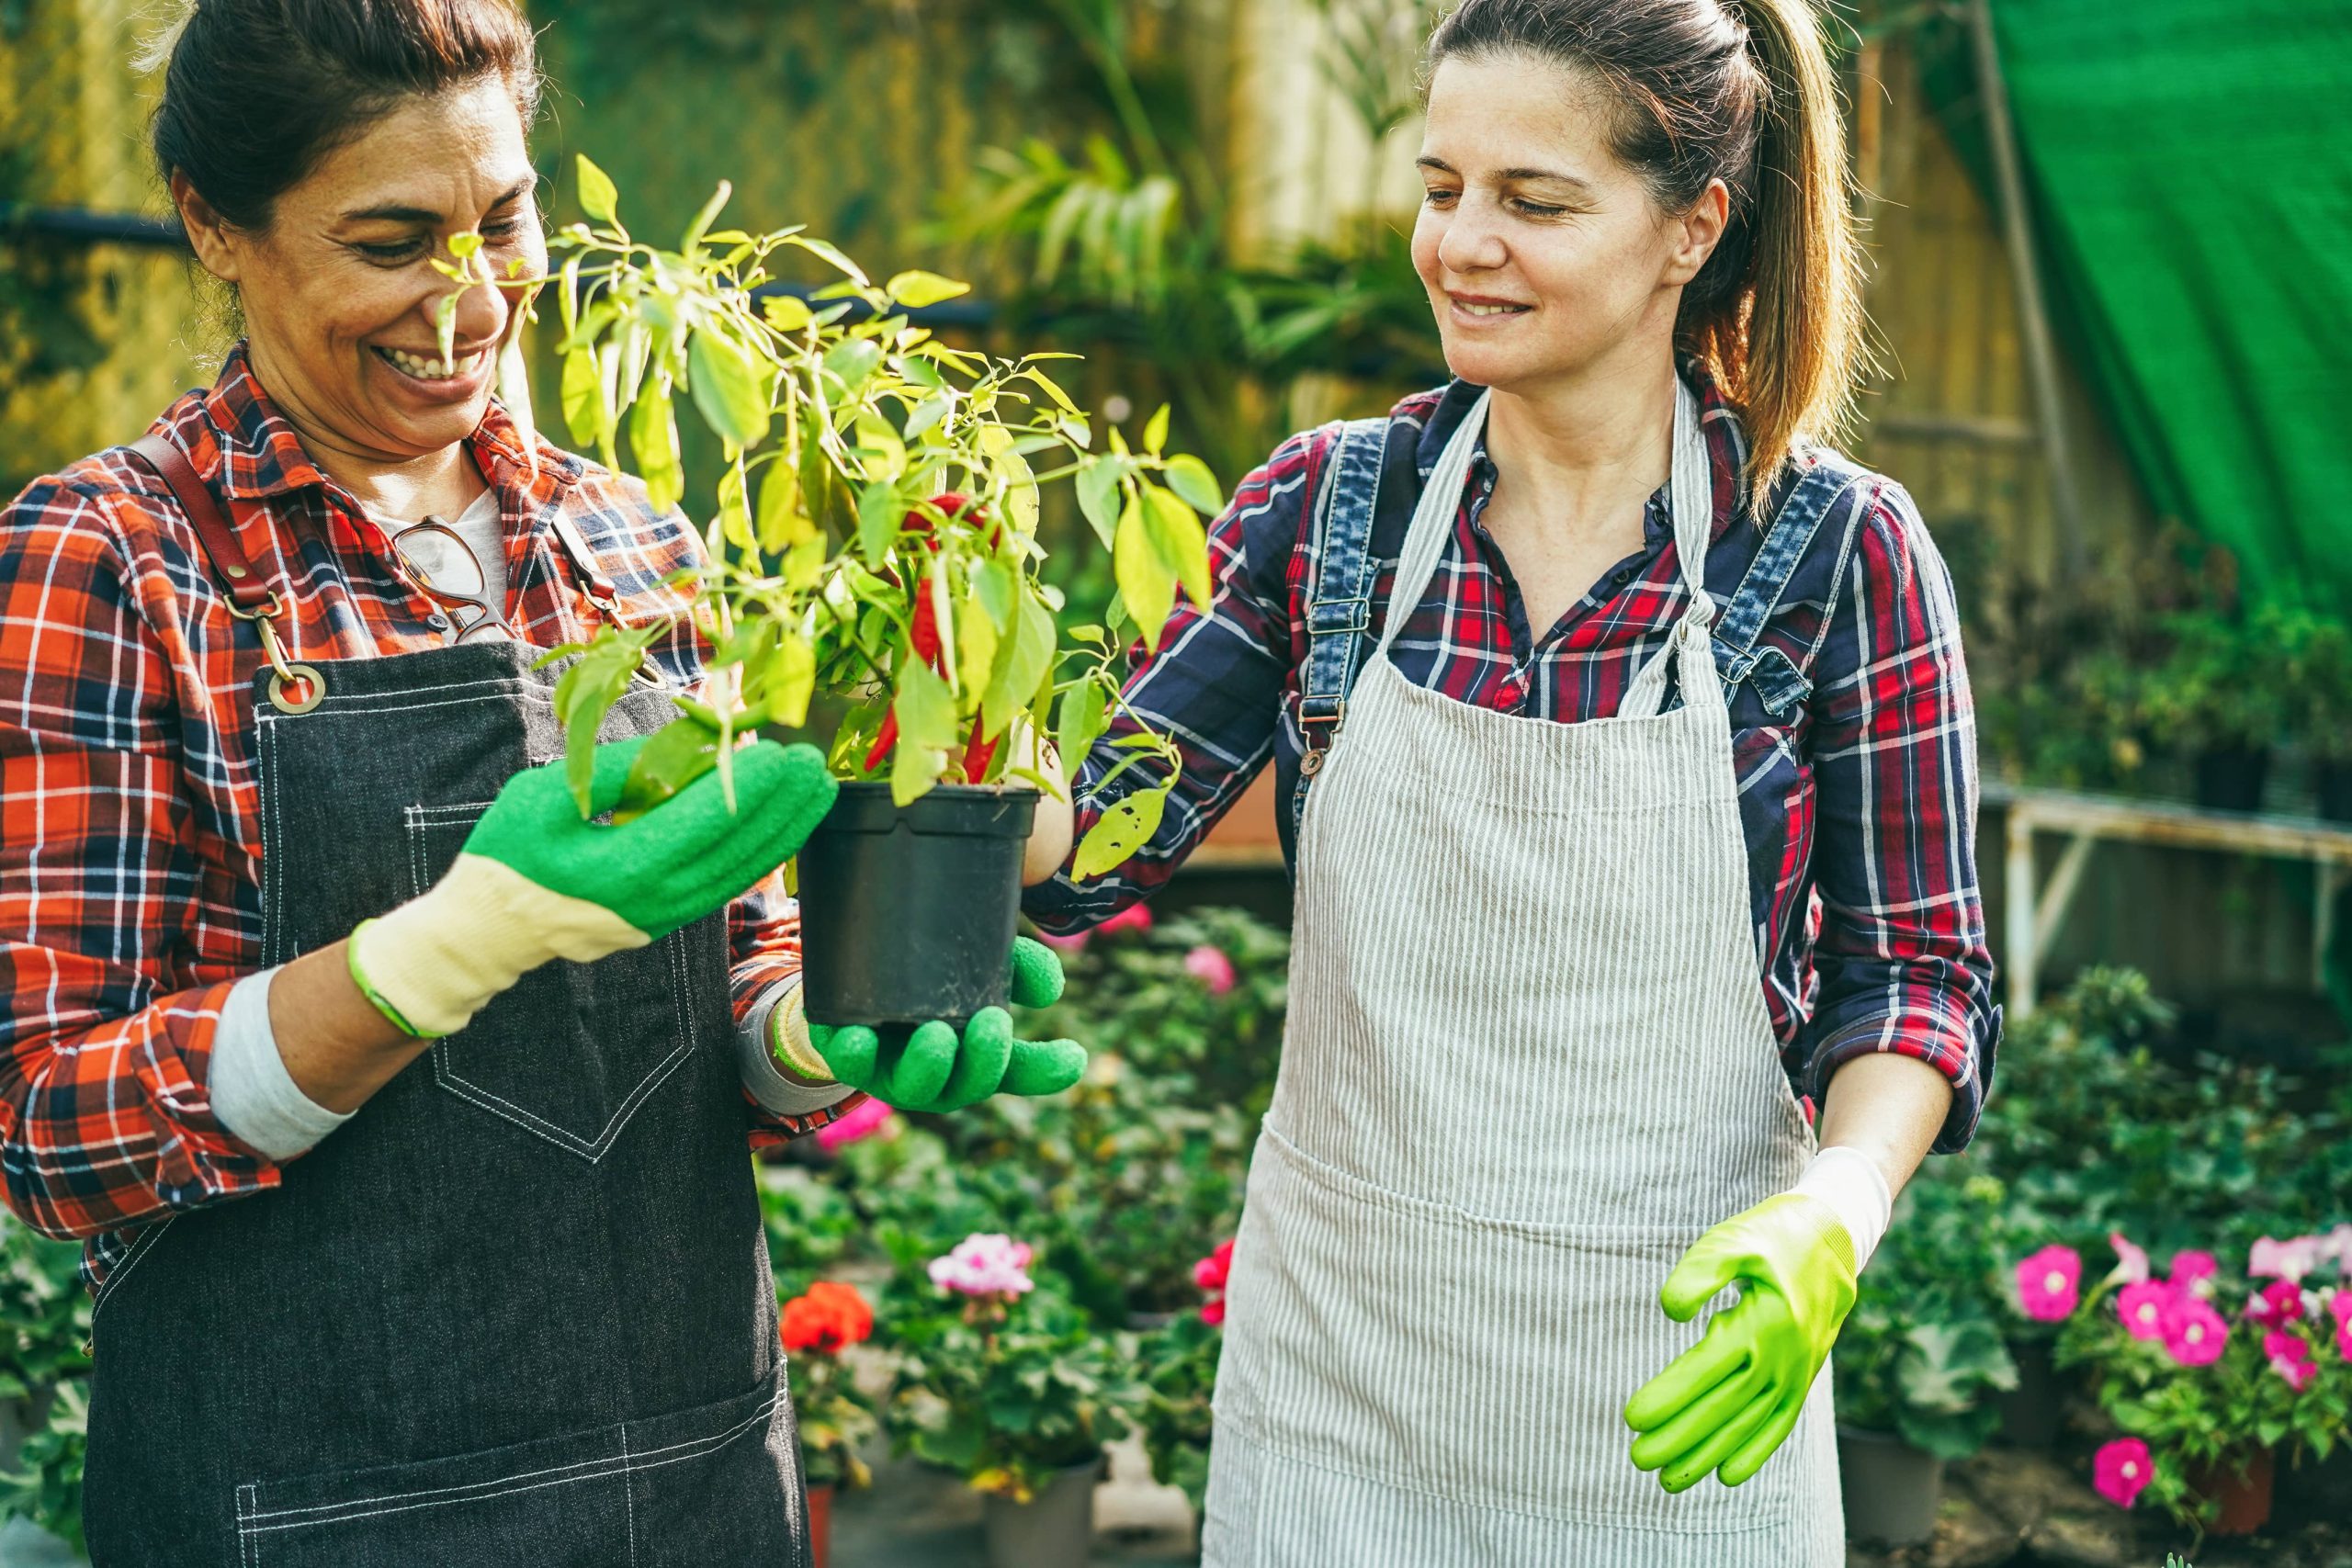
1528	1063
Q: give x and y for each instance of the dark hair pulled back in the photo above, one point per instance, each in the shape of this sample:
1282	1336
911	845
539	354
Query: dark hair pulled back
1739	91
255	92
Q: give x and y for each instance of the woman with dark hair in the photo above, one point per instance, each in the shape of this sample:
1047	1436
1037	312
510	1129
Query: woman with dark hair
278	817
1627	773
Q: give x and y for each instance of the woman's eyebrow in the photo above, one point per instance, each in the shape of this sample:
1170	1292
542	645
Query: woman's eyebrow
394	212
1511	174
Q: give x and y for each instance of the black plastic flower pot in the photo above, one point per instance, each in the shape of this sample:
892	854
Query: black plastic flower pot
908	912
2230	778
1891	1490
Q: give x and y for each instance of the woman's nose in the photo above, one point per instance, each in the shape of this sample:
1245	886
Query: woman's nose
482	313
1471	242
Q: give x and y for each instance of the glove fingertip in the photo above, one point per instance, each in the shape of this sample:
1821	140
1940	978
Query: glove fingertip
1045	1066
1037	978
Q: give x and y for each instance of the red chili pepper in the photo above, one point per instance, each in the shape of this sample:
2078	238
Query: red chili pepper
925	634
954	503
883	738
978	754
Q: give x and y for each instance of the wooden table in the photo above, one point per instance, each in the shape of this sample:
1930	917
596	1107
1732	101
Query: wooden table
2037	908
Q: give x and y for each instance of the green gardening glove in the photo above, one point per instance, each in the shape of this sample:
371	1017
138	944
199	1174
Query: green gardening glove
534	882
1733	1399
930	1068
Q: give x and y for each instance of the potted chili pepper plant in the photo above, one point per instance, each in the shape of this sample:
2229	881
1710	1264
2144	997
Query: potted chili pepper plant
874	541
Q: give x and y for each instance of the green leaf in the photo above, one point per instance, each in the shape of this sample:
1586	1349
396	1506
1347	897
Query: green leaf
701	225
789	680
1098	497
926	414
782	524
879	513
678	753
1022	661
598	200
853	361
654	437
918	289
734	510
728	388
997	587
1189	477
975	640
927	730
1053	388
1181	544
466	242
786	312
1145	582
583	396
1082	721
1124	830
816	247
583	694
1154	433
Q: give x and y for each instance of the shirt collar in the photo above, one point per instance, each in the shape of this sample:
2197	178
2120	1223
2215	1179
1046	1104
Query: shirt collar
261	455
1719	425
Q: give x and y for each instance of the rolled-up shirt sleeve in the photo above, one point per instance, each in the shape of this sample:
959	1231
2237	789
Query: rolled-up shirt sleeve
106	1114
764	927
1902	953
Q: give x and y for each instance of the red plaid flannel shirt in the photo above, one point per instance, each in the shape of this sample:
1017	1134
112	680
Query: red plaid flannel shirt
129	835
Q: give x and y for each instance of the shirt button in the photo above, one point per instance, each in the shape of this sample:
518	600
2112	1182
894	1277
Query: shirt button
438	622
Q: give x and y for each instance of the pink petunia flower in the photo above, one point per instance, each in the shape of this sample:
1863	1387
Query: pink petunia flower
2290	1358
2195	1334
2339	1307
985	1265
1211	967
1210	1274
862	1123
2277	1304
2143	1307
2130	1262
1065	943
2192	1270
1133	918
2287	1259
2050	1284
2122	1469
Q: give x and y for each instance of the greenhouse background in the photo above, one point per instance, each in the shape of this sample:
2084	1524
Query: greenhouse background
2110	291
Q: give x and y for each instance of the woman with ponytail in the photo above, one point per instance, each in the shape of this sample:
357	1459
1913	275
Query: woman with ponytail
1627	775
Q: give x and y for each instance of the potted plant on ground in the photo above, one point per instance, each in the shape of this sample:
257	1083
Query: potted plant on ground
2317	658
1179	1364
2216	698
834	1417
873	541
2208	1378
1005	1382
1918	1363
44	1375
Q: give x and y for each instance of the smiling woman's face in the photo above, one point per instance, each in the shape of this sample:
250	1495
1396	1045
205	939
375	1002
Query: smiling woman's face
1545	256
339	293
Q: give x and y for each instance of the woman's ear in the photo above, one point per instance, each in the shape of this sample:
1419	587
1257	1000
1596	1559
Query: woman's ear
1695	234
208	232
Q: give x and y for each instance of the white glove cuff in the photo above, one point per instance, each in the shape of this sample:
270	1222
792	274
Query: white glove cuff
1851	1184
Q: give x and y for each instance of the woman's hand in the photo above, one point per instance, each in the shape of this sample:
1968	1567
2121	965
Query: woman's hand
1050	838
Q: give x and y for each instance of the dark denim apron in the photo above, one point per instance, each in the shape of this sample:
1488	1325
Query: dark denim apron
517	1310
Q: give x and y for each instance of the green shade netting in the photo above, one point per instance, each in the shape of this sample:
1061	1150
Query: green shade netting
2191	164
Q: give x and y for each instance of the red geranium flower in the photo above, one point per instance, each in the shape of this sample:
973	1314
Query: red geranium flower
828	1319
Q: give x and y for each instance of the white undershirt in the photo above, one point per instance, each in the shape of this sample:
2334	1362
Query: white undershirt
479	525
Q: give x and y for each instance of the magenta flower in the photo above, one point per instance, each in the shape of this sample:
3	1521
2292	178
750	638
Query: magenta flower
2120	1470
2130	1262
2339	1305
1211	967
1133	918
2195	1334
1064	944
862	1123
2050	1284
2290	1358
2279	1303
985	1265
1210	1274
2191	1270
2143	1307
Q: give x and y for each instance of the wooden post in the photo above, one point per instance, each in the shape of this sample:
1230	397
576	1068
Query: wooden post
2023	960
2016	223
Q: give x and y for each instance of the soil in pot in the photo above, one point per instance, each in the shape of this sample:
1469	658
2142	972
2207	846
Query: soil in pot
1891	1490
2244	1494
909	912
2231	778
1053	1529
820	1525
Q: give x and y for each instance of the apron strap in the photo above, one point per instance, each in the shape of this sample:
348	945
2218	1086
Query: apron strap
1777	681
231	567
1340	605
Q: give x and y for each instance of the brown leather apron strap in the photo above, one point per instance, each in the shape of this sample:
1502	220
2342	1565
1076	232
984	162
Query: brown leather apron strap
293	688
601	592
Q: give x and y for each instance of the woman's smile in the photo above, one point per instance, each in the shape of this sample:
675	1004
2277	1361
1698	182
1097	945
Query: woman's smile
434	379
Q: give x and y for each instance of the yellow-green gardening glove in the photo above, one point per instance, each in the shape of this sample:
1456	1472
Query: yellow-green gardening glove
930	1066
536	882
1731	1400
